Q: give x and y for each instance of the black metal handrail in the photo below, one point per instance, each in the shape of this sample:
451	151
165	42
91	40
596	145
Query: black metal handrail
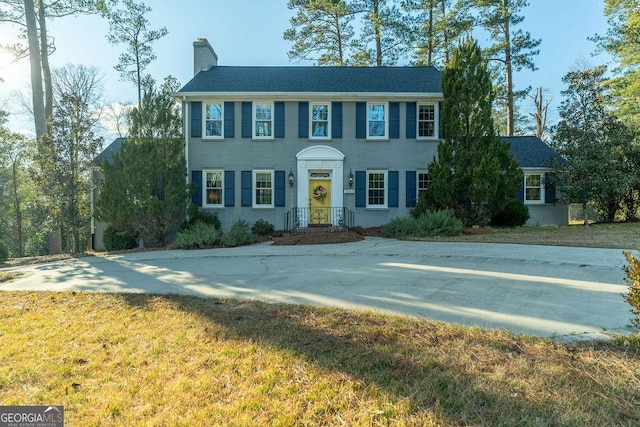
310	217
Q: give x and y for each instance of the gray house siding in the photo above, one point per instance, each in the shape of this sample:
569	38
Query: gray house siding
395	155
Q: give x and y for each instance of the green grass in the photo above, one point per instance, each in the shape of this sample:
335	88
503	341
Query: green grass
134	359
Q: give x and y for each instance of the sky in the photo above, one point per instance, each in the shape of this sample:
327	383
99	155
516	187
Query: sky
249	32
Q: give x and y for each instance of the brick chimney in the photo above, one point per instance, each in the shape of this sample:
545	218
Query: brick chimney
204	57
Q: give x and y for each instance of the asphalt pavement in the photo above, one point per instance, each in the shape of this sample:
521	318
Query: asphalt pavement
549	291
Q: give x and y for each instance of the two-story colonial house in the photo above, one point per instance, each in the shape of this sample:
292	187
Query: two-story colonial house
301	146
298	146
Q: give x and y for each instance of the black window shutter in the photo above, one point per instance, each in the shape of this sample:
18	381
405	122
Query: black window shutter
247	111
412	191
280	188
229	113
336	120
361	119
278	119
303	120
196	119
229	188
394	185
196	181
394	120
411	120
361	189
245	179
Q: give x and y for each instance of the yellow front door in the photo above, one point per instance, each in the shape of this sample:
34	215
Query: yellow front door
320	202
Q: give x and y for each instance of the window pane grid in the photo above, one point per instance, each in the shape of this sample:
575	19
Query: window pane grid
533	188
320	120
213	188
213	120
426	120
376	118
263	186
376	189
263	118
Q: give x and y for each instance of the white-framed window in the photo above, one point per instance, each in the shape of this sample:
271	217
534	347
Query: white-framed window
377	120
213	187
534	187
427	121
263	120
377	189
424	179
320	120
263	189
213	120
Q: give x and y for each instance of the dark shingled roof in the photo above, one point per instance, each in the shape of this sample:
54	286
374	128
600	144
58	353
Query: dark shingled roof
316	80
531	151
108	152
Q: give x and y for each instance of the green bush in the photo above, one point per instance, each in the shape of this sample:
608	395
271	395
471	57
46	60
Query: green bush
195	215
4	252
514	213
262	228
198	235
633	279
429	224
240	234
115	240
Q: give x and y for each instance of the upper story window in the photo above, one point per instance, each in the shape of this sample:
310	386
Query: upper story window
319	121
376	189
213	120
533	188
213	188
427	121
263	189
377	120
263	120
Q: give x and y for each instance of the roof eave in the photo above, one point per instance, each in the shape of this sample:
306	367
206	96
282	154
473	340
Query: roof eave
295	96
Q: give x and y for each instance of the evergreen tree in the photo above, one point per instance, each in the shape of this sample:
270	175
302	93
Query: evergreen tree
473	174
384	27
600	165
129	26
144	192
512	50
435	24
321	31
622	41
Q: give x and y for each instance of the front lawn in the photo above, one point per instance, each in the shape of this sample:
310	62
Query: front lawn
134	359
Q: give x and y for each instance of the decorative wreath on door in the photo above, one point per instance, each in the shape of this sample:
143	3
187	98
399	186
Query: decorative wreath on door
319	193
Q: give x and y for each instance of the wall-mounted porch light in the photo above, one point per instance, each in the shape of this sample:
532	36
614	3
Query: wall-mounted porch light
291	177
350	178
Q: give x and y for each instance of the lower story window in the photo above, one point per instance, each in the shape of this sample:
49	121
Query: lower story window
376	189
213	188
533	188
424	179
263	189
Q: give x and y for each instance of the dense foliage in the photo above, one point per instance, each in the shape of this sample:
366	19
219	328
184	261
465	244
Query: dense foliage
633	279
144	191
427	224
474	173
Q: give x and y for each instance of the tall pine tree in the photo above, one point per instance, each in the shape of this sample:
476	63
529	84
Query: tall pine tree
474	173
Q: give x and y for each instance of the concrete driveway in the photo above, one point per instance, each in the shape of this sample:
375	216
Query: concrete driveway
540	290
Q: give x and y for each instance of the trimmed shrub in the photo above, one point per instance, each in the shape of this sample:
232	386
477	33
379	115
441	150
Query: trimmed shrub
198	235
115	240
262	228
429	224
195	215
240	234
633	279
514	213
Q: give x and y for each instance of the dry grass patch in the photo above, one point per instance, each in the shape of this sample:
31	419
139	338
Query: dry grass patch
176	360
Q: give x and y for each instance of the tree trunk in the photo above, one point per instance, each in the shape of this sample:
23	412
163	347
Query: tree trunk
18	209
378	34
585	214
39	114
46	69
508	70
